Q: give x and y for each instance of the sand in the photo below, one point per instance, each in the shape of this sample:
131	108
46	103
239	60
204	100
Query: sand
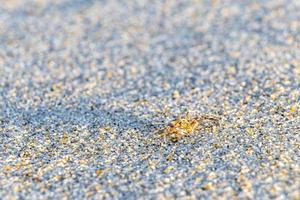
87	85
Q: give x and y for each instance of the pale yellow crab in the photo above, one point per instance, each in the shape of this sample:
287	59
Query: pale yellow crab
183	127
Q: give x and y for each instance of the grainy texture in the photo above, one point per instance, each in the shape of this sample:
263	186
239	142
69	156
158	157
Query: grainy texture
85	85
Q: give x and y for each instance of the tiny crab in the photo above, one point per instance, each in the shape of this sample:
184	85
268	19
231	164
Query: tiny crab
180	128
183	127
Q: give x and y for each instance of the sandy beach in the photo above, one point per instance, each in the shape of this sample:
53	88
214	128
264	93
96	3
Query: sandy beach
88	90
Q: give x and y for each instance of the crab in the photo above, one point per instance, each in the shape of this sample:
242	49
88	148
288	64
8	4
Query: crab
183	127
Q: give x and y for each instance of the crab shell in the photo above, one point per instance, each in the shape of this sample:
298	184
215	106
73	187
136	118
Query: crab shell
178	129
